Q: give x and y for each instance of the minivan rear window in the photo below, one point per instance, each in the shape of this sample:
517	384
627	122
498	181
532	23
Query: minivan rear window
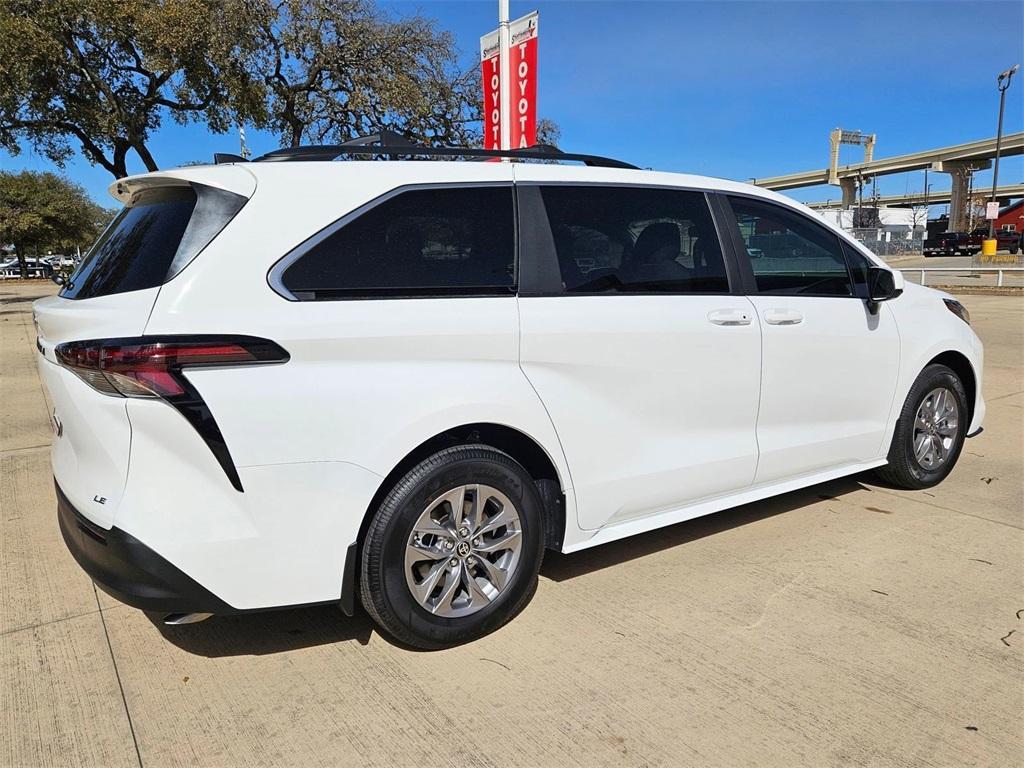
152	239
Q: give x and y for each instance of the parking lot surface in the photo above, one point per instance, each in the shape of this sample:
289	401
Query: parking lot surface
843	624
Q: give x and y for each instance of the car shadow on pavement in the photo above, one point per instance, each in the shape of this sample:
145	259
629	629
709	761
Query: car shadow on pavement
266	632
561	567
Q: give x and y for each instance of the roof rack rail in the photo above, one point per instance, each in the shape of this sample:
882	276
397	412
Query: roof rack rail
393	144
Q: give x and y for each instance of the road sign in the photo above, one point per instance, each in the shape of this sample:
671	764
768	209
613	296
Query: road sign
523	68
991	210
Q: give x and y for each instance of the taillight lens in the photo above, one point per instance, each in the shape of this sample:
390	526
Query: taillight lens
151	367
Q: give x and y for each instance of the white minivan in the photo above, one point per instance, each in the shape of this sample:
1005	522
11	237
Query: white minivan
294	381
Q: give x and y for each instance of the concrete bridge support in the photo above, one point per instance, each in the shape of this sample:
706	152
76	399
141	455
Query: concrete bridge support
849	188
960	174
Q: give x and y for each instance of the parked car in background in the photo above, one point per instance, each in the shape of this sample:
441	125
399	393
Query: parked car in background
279	383
35	266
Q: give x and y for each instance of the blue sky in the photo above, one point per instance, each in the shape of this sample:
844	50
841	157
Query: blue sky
732	89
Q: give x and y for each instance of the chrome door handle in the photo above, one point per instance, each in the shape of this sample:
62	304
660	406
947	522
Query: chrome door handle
782	317
729	317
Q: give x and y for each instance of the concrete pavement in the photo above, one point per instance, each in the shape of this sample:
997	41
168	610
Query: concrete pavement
843	624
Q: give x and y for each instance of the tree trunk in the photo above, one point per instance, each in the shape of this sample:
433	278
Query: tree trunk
119	166
143	152
22	266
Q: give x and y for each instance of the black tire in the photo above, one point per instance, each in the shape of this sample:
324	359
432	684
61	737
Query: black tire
903	469
384	592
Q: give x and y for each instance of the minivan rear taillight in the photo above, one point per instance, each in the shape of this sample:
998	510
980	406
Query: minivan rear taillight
153	366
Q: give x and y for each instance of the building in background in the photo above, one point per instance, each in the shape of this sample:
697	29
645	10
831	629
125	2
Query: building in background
1011	218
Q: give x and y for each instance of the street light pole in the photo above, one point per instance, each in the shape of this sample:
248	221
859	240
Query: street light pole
1002	82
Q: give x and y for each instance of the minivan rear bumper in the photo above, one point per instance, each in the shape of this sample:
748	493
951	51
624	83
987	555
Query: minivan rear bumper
128	570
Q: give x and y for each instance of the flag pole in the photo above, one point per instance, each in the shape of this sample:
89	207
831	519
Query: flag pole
505	80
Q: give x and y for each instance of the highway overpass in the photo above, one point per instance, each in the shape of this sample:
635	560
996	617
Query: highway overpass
960	161
972	151
1003	194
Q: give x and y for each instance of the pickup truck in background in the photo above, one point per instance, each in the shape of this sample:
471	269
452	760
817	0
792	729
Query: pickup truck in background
950	244
968	244
1005	241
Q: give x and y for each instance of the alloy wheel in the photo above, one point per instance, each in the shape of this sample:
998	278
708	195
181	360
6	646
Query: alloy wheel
935	428
463	550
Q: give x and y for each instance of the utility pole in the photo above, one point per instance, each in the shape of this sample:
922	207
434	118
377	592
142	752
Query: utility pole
1002	83
505	78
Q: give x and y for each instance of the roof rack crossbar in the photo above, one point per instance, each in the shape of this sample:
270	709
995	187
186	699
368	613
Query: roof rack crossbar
385	138
364	146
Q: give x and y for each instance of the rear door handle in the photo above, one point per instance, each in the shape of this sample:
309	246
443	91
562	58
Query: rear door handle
782	317
729	317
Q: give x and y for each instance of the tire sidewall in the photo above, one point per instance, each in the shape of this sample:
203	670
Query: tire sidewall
488	467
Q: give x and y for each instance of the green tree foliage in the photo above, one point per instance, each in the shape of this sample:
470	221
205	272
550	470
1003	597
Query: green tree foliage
335	69
102	74
43	210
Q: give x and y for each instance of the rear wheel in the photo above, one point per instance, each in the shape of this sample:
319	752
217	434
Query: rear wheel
930	432
454	550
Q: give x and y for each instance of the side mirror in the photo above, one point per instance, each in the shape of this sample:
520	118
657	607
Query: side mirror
58	278
883	284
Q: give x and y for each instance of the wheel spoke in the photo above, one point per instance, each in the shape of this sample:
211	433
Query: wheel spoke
503	517
426	525
938	449
477	597
494	574
423	590
456	501
417	552
507	540
452	580
922	450
476	508
947	428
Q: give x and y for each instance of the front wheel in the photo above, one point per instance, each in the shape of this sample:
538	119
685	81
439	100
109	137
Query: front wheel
453	551
930	431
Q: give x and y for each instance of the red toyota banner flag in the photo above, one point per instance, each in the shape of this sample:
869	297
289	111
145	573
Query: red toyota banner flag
492	91
523	91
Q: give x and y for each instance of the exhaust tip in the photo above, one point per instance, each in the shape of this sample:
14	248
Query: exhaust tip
186	618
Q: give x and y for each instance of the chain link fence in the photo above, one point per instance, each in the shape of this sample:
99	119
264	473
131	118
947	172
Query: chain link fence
888	243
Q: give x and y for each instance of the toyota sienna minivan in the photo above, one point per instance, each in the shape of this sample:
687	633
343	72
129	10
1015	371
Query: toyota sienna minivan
398	382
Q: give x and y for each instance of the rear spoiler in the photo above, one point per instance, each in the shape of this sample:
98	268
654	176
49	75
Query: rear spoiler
231	178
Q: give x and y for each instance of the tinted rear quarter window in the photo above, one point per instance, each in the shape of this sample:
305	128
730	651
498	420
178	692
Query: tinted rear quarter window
152	239
136	250
421	242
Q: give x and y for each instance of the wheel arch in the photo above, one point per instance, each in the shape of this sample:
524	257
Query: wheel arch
516	443
961	366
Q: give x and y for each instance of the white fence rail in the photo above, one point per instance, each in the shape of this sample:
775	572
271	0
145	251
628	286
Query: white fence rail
966	271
